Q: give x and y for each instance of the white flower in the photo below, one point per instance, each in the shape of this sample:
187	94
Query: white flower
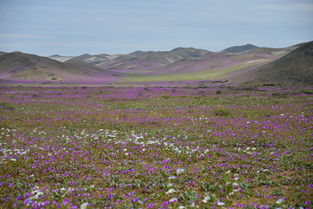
280	201
173	200
84	205
219	203
172	177
170	191
206	198
180	170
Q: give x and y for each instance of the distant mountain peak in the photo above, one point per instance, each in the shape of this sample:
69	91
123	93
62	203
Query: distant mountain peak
181	48
250	45
240	49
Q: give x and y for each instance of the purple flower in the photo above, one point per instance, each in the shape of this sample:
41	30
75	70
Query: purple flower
110	196
66	201
150	205
165	203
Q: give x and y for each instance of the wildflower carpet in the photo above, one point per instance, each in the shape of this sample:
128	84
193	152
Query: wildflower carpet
153	147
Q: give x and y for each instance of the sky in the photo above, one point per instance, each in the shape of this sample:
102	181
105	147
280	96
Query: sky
74	27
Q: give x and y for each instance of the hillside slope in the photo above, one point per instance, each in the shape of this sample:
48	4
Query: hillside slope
296	68
182	66
17	66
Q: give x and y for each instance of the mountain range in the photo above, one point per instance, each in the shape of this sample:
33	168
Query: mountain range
237	64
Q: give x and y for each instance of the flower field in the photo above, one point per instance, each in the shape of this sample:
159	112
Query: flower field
153	147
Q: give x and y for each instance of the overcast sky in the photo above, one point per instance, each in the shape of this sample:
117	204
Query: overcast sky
73	27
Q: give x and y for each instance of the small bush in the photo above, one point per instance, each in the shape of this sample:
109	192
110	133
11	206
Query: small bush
307	91
269	84
7	106
222	112
268	114
280	95
218	92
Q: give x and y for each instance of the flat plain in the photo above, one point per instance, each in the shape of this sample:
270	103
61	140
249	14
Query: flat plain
156	147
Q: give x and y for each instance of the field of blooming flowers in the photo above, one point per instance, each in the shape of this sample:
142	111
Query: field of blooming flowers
152	147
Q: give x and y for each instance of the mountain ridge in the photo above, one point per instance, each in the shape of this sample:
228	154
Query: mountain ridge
178	64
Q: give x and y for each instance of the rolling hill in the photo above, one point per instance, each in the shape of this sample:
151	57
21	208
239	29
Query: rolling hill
239	49
61	58
183	64
93	59
295	68
235	64
21	67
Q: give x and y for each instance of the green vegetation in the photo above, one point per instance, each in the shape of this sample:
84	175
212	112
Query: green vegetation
7	106
199	75
307	91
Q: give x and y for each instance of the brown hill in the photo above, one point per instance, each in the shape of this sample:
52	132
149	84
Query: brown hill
28	67
295	68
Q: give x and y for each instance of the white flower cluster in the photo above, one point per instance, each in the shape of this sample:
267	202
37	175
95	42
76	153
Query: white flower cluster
11	154
248	150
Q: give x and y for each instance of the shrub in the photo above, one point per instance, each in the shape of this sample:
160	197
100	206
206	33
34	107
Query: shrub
307	91
280	95
268	114
222	112
218	92
269	84
7	106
